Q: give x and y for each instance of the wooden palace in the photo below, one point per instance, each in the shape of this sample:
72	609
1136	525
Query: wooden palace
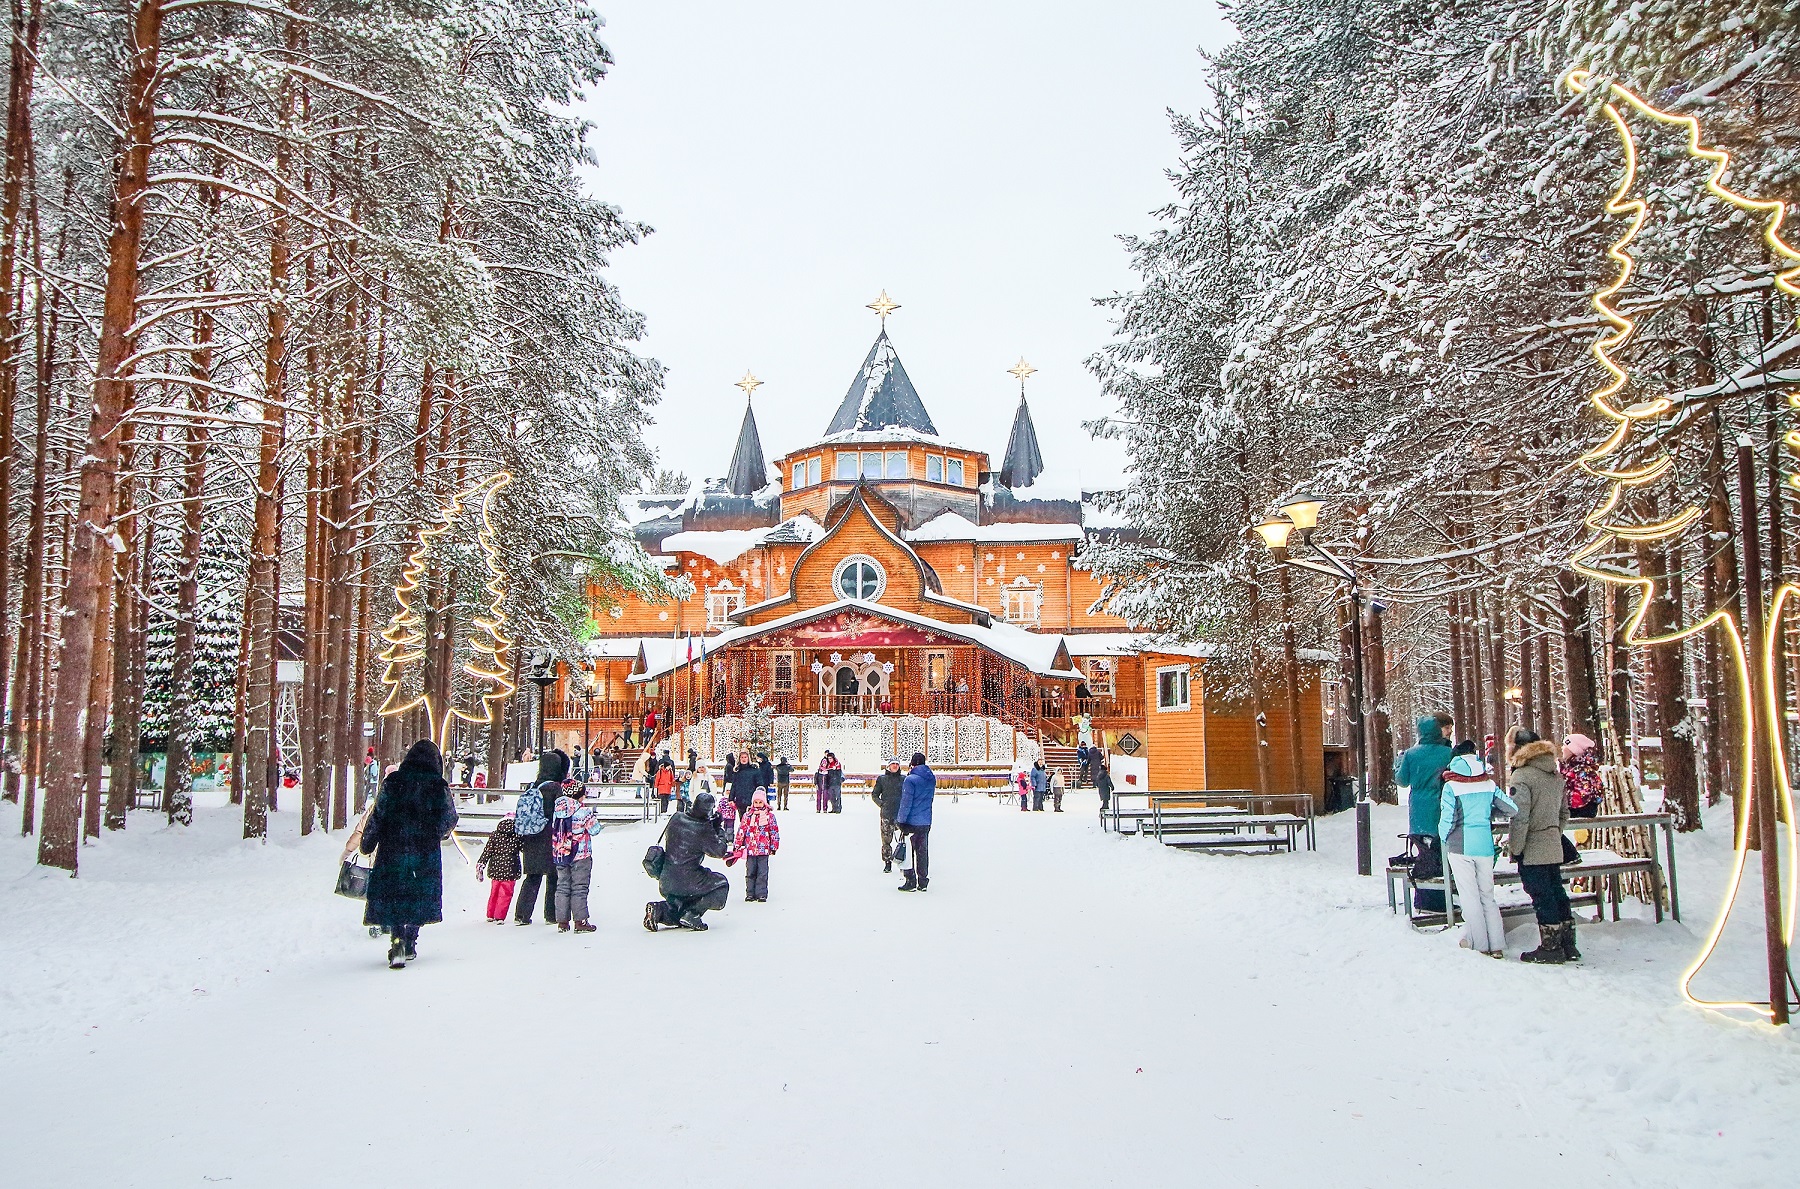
883	590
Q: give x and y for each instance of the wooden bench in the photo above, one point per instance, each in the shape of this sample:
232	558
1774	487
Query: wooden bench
1277	831
1275	805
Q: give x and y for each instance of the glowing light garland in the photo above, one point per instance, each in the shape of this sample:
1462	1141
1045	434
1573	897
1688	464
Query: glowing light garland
1757	692
405	634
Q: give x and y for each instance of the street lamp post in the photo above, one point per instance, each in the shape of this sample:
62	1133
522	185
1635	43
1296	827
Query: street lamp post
542	676
587	710
1302	512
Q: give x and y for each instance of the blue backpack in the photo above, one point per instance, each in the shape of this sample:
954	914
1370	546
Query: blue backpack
529	816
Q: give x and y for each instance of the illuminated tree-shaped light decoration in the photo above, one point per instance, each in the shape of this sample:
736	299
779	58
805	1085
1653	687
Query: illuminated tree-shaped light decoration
1635	423
489	666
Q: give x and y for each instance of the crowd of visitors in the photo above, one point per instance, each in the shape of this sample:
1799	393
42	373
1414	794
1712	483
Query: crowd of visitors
1456	804
546	841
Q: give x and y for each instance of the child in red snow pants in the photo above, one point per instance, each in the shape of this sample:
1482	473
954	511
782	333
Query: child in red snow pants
499	899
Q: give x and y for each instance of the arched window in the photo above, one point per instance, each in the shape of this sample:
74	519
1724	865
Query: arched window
859	577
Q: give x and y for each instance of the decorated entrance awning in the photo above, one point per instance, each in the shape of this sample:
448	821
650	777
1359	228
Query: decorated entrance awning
851	623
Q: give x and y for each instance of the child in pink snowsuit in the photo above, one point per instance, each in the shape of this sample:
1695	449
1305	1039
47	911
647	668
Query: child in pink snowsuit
758	838
500	860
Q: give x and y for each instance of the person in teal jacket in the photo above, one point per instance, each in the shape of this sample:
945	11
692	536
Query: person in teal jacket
1421	770
1466	824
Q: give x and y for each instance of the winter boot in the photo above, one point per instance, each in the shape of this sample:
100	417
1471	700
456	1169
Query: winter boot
923	884
1550	946
1569	951
911	883
653	915
396	955
520	921
887	866
409	950
562	926
692	921
584	927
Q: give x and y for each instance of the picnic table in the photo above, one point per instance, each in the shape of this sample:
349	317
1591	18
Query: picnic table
1607	867
1233	810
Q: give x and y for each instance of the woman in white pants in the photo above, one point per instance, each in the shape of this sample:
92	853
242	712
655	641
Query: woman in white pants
1465	823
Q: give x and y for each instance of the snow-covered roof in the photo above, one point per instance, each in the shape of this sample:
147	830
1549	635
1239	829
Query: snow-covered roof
1035	651
881	395
950	526
891	433
1130	643
724	545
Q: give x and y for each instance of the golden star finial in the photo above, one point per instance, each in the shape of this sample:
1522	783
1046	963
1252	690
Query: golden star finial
883	305
1021	369
749	384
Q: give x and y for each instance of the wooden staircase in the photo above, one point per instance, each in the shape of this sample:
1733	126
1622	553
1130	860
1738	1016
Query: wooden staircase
1059	758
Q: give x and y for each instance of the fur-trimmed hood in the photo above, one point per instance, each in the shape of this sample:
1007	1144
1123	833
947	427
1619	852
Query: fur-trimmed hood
1542	749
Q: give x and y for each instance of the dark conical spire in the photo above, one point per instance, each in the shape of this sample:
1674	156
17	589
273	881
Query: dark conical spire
749	472
1024	461
881	396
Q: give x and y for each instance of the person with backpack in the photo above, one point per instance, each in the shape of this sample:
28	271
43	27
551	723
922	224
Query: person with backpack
499	862
531	819
572	832
1470	800
758	838
689	888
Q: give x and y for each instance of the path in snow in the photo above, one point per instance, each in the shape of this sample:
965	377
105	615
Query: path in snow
1062	1007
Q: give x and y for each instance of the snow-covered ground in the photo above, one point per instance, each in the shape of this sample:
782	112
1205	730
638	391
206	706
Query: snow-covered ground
1063	1007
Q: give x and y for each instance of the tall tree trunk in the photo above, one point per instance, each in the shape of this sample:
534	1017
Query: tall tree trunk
1578	654
1668	680
122	764
1380	735
178	769
90	559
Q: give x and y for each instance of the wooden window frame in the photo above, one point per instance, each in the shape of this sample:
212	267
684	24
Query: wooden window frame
1185	675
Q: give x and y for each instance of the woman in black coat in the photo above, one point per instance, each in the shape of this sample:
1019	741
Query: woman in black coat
689	888
534	848
413	814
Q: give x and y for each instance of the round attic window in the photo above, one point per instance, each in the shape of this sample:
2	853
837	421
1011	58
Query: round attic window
859	577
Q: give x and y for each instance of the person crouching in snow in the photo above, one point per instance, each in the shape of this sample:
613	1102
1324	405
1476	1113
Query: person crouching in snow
499	862
572	833
758	838
689	888
1465	823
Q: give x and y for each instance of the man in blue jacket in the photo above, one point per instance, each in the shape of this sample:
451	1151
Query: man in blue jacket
916	793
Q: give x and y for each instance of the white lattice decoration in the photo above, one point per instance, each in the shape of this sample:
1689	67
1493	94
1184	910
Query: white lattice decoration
846	722
786	729
676	751
1000	745
727	730
941	738
1025	748
909	736
971	740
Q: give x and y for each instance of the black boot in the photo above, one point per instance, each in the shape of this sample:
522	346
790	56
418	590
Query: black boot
653	915
1550	946
692	921
409	949
924	883
887	866
1570	953
911	884
396	954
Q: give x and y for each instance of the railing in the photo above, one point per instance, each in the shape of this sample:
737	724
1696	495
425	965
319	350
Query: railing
1108	708
608	712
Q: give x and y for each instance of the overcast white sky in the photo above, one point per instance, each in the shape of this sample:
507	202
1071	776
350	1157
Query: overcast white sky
975	159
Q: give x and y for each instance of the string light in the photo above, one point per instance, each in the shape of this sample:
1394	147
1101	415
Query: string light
1757	691
405	635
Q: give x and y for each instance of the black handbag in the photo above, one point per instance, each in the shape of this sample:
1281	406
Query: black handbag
353	880
353	877
900	850
655	856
